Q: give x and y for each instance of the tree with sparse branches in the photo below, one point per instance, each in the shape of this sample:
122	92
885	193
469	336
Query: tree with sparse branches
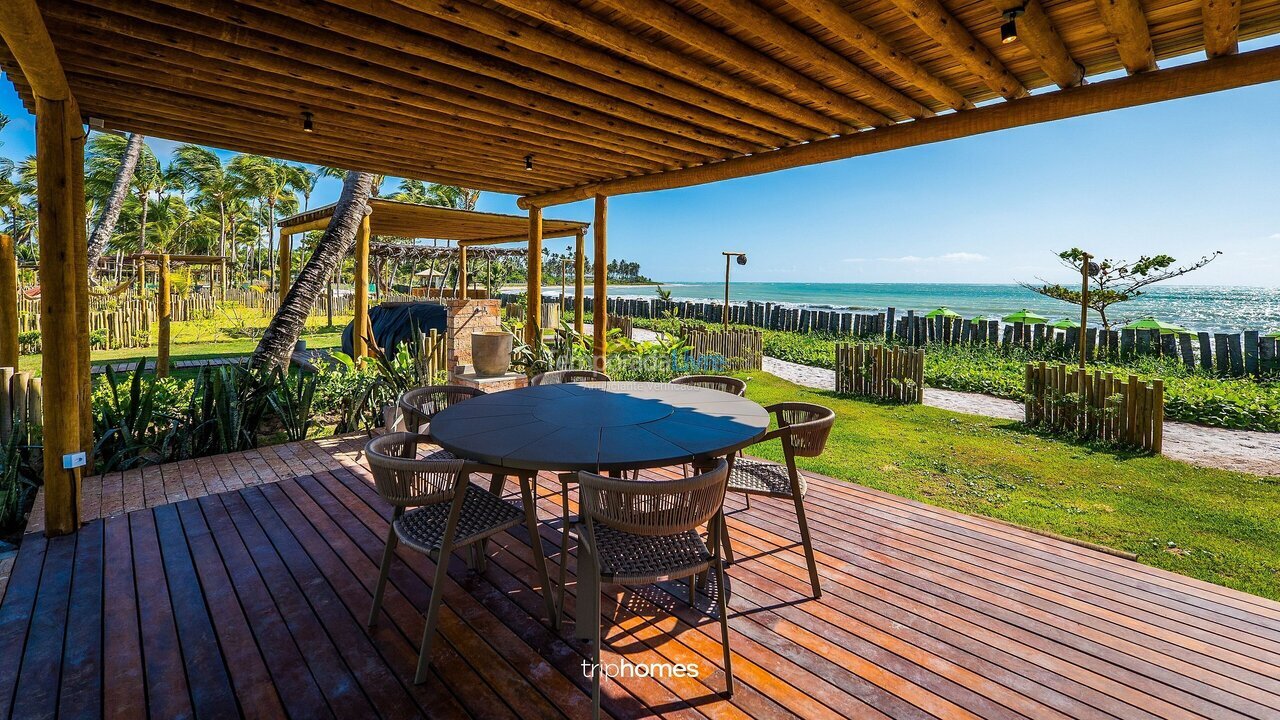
1115	281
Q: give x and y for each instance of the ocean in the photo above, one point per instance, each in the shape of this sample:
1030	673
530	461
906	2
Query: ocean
1195	307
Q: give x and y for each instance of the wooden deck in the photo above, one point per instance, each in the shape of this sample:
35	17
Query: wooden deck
251	601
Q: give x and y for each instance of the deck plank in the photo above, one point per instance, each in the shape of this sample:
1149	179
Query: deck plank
252	602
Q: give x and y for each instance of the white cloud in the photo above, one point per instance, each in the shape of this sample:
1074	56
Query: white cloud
1275	236
953	258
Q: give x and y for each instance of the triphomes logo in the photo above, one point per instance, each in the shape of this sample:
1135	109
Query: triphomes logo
624	668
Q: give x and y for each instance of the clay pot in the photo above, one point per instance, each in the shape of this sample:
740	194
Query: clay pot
491	352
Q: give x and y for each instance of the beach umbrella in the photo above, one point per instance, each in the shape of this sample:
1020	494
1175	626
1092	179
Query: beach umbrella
1275	335
1066	324
1150	323
981	318
943	311
1026	317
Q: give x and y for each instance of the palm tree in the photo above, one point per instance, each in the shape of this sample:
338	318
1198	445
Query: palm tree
109	151
201	172
276	346
341	174
273	182
148	179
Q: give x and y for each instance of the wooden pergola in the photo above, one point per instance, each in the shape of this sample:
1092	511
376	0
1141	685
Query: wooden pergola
564	100
468	228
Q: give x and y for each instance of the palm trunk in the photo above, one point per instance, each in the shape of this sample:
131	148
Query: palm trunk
142	226
222	229
276	347
271	254
111	211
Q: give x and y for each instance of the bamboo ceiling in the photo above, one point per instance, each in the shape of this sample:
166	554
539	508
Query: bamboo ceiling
627	93
411	220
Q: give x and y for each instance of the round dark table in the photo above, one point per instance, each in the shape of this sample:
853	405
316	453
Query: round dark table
599	426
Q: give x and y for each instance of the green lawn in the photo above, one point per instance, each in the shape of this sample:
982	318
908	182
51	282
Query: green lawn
1219	526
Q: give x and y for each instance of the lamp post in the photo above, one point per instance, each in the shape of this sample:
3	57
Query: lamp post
1088	269
742	260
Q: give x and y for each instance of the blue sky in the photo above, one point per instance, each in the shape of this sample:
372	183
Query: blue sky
1185	177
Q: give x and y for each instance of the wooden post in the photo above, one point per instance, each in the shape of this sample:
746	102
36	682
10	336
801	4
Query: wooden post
600	260
533	286
462	272
360	325
8	305
1084	307
164	312
82	282
58	331
286	262
579	279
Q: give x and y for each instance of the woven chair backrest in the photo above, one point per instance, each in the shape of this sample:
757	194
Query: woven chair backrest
405	481
421	404
557	377
731	385
653	507
809	426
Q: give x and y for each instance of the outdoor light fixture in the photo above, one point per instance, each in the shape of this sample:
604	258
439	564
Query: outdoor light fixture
528	162
742	260
1009	30
307	125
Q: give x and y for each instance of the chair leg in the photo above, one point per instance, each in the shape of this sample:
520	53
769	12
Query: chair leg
433	607
596	670
564	544
587	608
388	554
724	535
808	547
722	598
496	484
535	545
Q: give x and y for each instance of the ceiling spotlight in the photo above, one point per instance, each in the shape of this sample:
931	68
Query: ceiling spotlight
307	125
528	162
1009	30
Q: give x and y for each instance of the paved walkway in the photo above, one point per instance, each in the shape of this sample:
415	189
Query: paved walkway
1240	450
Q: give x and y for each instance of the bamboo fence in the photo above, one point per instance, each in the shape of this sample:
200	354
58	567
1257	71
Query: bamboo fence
741	349
1229	354
1096	406
21	405
881	372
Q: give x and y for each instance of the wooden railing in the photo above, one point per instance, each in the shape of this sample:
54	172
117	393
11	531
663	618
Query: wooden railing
741	349
21	405
882	372
1096	406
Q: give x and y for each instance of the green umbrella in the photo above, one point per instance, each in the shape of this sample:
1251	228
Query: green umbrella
943	311
981	318
1150	323
1026	317
1066	324
1275	335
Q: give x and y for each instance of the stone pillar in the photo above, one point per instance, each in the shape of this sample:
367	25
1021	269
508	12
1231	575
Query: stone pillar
466	317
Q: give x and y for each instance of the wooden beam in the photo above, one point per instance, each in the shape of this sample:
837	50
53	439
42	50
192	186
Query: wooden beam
590	28
663	16
533	280
317	224
1037	35
281	44
286	261
1221	27
58	328
579	271
1127	24
76	130
600	283
360	325
164	317
833	16
8	304
1252	68
938	23
462	272
584	65
24	32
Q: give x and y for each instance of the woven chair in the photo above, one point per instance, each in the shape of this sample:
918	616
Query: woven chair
731	385
803	429
436	510
421	404
639	533
557	377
